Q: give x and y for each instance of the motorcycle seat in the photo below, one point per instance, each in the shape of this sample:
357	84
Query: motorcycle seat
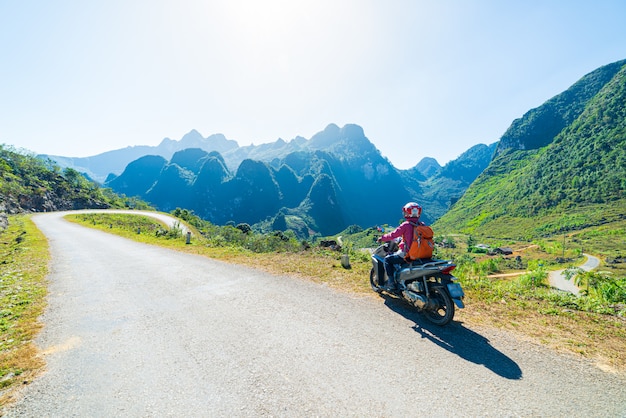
420	262
426	262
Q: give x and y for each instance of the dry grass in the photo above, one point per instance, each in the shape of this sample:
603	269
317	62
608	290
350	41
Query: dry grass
320	267
600	338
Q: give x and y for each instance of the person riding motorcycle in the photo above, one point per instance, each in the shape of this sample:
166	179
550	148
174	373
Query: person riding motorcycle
412	212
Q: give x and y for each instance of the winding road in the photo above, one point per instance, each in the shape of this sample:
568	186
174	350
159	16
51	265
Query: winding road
134	330
558	280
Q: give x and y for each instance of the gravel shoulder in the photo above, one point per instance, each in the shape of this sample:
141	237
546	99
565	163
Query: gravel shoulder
139	331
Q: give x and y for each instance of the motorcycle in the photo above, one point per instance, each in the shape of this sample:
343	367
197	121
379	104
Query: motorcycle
425	284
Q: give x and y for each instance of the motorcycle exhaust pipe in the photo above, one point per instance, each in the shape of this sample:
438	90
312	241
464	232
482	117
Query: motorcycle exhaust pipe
419	301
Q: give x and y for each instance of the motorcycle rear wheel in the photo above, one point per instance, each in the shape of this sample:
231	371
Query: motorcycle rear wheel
374	283
444	311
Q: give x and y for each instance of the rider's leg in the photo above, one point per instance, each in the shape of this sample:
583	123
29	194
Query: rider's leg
390	261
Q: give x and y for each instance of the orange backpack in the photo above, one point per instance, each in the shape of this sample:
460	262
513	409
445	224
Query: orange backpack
422	244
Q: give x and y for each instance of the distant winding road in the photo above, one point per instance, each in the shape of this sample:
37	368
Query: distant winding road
136	330
557	278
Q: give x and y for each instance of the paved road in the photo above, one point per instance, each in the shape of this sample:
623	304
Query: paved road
135	330
558	280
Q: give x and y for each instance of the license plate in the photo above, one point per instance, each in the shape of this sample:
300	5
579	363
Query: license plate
455	289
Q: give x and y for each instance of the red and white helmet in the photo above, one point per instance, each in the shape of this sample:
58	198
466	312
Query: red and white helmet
412	210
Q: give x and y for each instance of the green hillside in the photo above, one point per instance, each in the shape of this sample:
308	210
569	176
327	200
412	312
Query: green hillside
545	181
28	184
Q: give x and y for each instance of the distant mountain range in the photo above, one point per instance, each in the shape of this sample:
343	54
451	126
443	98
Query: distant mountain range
98	167
317	186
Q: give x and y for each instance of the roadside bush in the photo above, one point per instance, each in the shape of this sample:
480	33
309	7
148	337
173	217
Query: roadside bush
536	276
600	293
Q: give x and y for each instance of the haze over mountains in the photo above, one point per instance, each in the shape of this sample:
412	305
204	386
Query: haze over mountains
565	155
321	185
99	167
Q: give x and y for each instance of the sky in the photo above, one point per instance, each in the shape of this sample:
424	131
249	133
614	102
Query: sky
423	78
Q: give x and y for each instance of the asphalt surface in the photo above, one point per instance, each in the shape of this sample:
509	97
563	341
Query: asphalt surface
133	330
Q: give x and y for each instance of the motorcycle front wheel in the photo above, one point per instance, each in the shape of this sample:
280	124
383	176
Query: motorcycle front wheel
374	282
444	311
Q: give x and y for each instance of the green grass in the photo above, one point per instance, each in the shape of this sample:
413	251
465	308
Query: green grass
23	269
139	227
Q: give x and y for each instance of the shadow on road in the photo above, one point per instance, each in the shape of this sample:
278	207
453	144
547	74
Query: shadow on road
459	340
